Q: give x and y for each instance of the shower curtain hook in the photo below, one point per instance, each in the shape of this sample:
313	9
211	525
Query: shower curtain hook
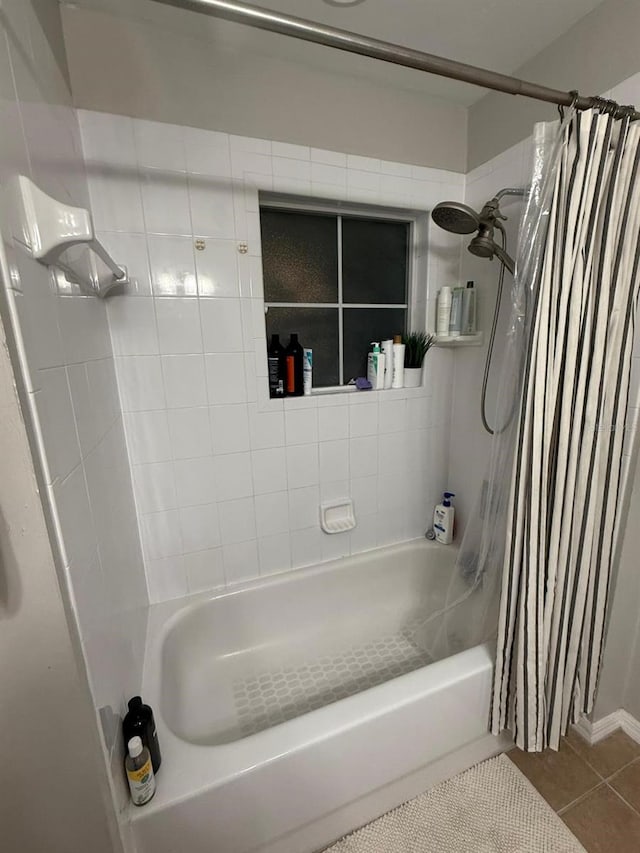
574	99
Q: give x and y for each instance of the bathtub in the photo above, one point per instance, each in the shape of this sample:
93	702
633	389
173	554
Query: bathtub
295	708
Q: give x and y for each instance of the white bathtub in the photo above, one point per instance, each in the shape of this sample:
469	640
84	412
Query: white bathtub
298	707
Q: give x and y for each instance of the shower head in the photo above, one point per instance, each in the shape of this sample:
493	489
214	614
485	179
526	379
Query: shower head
455	217
458	218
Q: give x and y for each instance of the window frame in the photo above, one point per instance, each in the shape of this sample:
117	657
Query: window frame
343	210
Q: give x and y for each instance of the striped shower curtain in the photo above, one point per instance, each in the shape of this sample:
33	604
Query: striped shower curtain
563	515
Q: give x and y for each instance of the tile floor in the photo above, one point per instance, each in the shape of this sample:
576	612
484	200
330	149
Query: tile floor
594	789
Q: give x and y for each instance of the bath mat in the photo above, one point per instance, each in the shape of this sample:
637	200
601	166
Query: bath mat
491	808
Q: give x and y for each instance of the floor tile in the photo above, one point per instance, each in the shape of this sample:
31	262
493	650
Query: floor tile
560	777
604	824
627	783
609	755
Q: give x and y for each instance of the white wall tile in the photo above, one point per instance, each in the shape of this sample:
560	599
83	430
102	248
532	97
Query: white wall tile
140	383
306	547
363	420
221	325
200	528
159	145
211	202
195	481
107	140
364	456
333	423
272	513
274	553
301	427
204	569
130	251
334	460
266	428
74	512
133	326
207	152
190	432
237	521
217	269
165	203
184	381
269	470
230	428
173	271
304	507
302	465
178	326
167	579
161	535
53	401
148	436
364	492
154	487
233	476
225	378
241	562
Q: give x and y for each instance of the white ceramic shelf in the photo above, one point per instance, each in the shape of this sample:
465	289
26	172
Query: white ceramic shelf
461	341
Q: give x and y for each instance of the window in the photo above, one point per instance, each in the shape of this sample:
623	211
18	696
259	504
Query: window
339	280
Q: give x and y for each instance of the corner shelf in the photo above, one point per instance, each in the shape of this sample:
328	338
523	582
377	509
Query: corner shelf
460	341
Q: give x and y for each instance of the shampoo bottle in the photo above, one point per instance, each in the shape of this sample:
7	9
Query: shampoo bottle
142	782
398	362
140	721
294	360
443	518
444	312
375	367
387	349
276	361
455	320
469	309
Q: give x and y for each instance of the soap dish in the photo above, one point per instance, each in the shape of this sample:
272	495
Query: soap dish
337	516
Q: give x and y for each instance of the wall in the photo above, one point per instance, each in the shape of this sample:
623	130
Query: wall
62	353
53	786
224	82
594	55
228	483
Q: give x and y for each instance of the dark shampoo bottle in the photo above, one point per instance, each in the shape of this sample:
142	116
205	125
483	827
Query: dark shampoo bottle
294	359
139	722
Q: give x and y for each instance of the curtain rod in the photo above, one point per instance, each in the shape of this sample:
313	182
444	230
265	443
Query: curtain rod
264	19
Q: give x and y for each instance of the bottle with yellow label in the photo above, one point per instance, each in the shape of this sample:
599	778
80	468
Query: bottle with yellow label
142	783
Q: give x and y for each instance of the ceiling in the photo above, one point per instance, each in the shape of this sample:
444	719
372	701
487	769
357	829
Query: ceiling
499	35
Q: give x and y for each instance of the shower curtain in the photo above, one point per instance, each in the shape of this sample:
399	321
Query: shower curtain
570	347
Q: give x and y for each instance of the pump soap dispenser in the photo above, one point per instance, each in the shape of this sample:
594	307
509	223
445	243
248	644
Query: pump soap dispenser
443	518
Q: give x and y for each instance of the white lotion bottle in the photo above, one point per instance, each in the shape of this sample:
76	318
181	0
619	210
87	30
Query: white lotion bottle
443	518
387	349
398	362
444	312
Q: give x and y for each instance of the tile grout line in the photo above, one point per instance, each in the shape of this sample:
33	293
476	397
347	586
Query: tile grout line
579	799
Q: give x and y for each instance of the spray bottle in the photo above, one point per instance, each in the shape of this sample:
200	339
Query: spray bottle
443	518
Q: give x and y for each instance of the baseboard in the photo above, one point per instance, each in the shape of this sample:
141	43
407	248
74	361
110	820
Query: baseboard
596	731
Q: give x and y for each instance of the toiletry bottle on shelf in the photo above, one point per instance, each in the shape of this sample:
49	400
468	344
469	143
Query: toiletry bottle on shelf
387	349
375	367
444	312
307	375
294	358
398	362
276	360
455	320
443	519
140	721
142	782
469	309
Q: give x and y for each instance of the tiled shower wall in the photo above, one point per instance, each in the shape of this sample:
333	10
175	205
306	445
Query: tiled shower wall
65	362
228	483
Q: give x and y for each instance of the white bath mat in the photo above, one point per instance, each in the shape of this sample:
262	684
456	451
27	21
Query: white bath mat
491	808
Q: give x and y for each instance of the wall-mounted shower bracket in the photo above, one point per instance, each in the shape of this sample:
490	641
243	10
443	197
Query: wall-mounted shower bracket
46	228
